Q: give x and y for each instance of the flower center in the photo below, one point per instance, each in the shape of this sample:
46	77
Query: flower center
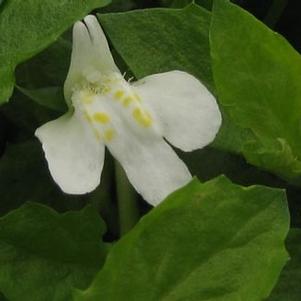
103	101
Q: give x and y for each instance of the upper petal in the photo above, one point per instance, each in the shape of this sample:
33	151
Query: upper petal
75	157
187	112
91	54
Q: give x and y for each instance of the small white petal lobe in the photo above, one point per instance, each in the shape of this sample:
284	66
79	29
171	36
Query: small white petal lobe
187	112
75	157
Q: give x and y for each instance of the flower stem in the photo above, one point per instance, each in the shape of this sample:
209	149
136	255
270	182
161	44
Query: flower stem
127	201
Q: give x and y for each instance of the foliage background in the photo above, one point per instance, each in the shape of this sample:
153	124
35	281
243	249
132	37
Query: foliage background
24	175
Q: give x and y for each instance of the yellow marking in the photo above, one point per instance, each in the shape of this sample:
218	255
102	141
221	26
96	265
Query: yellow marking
143	118
96	133
119	94
101	117
87	116
109	135
127	101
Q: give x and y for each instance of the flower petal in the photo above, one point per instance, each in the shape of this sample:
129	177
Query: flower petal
81	47
187	112
90	54
151	165
101	49
75	157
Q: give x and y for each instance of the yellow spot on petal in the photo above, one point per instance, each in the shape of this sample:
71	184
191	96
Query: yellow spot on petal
119	94
127	101
109	135
101	117
143	118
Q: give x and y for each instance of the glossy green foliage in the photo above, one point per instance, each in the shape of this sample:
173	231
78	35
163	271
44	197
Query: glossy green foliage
257	78
44	254
214	241
199	244
178	38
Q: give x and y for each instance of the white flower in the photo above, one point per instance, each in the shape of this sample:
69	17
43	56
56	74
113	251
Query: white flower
130	119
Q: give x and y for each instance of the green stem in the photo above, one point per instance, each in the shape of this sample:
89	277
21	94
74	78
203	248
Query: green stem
127	201
275	12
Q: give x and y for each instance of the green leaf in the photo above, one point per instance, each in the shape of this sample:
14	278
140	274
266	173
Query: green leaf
179	41
42	78
208	163
25	115
288	287
257	76
44	254
209	241
51	97
230	137
49	67
28	27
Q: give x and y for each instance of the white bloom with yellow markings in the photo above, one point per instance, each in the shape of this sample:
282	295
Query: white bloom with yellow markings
130	119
